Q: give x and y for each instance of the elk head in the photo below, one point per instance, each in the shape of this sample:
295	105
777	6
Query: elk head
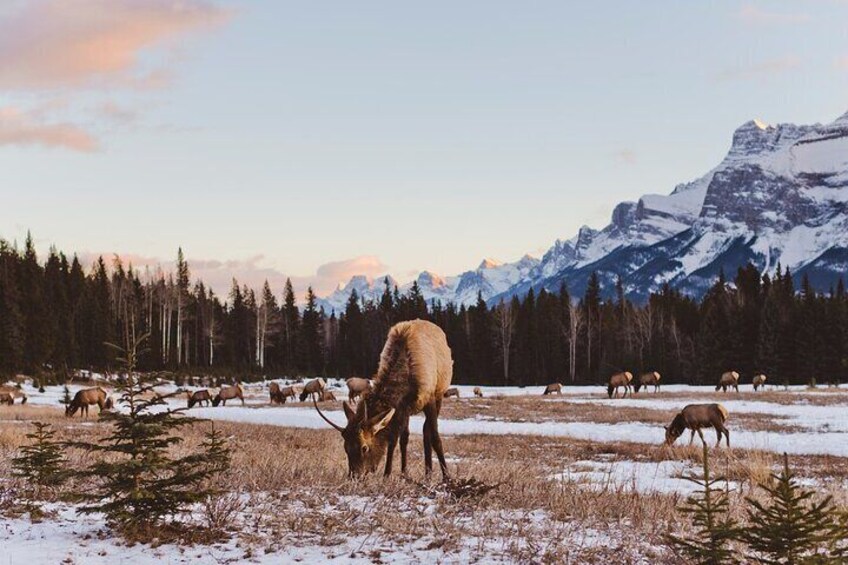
363	442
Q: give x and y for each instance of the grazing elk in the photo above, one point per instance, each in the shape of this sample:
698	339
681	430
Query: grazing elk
198	397
728	379
553	388
696	416
87	397
228	393
477	392
276	394
646	380
620	380
6	398
313	388
452	391
415	371
328	396
759	381
356	386
15	393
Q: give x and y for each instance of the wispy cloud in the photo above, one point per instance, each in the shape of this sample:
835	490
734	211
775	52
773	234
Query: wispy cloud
20	128
757	16
625	155
761	70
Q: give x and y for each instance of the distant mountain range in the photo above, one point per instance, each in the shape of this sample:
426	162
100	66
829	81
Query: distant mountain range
779	196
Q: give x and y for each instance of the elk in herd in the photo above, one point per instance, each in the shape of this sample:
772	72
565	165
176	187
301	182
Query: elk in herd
6	398
327	396
478	392
694	417
415	371
759	381
553	388
15	393
276	393
198	397
619	380
87	397
728	379
313	388
356	386
452	391
228	393
646	380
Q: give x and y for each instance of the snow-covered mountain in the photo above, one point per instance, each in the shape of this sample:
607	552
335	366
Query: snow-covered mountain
780	195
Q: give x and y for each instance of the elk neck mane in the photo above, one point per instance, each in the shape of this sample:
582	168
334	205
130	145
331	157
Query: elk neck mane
397	383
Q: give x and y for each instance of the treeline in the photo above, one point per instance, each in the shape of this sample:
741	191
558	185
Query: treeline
56	316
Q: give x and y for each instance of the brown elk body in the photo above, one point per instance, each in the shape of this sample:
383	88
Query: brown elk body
287	392
328	396
313	388
694	417
198	397
88	397
727	380
619	380
356	386
452	391
228	393
646	380
415	370
759	381
14	392
553	388
6	398
276	394
477	392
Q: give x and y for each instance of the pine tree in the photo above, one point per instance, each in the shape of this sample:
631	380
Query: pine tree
66	395
708	508
41	464
790	528
138	483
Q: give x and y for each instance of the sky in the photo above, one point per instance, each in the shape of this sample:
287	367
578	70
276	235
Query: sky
318	140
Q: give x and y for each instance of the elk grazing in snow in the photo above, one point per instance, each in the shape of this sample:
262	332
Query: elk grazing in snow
228	393
619	380
646	380
694	417
553	388
15	393
313	388
6	398
452	391
356	386
276	393
198	397
87	397
759	381
328	396
477	392
415	371
728	379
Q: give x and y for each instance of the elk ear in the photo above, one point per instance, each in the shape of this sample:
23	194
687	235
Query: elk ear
383	422
349	412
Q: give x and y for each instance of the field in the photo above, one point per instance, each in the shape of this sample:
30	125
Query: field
577	478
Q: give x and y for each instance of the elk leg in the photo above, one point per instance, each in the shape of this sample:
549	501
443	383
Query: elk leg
437	441
404	441
726	436
428	444
700	433
692	437
390	452
242	400
718	433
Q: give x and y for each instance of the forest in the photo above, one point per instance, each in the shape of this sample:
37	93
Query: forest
58	316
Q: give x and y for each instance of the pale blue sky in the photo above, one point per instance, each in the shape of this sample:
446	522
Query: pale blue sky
427	136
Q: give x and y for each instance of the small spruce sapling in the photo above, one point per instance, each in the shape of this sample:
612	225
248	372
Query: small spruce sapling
41	464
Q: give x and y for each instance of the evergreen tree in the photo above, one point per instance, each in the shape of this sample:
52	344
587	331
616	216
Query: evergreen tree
290	328
41	464
311	345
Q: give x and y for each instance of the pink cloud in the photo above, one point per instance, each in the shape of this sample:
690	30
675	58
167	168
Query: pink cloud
753	15
762	70
55	43
20	128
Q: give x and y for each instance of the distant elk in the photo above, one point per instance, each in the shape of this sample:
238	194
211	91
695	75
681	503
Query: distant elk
759	381
728	379
452	391
694	417
198	397
356	387
313	388
478	392
6	398
415	371
648	379
87	397
553	388
15	393
276	393
620	380
228	393
328	396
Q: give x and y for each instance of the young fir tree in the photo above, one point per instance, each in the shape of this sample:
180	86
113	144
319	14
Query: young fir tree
66	395
708	508
139	484
790	528
41	464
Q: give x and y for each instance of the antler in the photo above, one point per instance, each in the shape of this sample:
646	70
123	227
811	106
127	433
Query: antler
339	428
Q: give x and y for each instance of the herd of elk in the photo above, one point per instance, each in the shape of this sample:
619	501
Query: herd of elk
228	393
313	388
620	380
88	397
553	388
727	380
198	397
415	370
648	379
694	417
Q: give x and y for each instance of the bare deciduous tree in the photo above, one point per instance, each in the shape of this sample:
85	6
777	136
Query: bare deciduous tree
505	318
